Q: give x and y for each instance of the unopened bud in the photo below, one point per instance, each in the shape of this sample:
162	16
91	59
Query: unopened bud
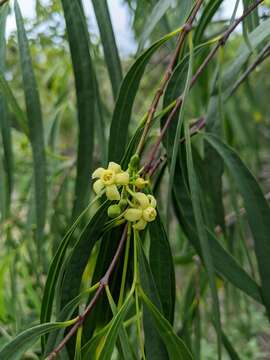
140	183
114	211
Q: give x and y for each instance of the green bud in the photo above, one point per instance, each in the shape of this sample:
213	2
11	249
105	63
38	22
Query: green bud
134	162
114	211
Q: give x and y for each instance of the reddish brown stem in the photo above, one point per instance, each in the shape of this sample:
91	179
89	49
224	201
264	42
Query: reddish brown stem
202	67
102	284
151	112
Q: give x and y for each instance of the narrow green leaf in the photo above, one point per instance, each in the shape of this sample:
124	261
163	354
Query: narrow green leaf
209	11
177	135
176	347
109	342
257	208
153	19
232	71
154	347
109	44
20	118
54	270
86	103
123	107
252	20
5	125
15	349
204	242
225	265
80	253
229	347
35	124
161	263
56	336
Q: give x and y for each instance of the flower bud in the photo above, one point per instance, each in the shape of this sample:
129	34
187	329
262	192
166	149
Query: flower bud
140	183
149	214
114	211
134	162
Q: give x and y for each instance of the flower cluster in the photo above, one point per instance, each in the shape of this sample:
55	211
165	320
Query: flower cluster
124	187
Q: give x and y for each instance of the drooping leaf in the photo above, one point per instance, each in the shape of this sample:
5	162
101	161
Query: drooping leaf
123	107
35	125
157	13
105	353
176	347
86	98
200	221
21	120
161	263
209	11
225	265
109	44
54	270
257	208
80	253
15	349
154	347
5	125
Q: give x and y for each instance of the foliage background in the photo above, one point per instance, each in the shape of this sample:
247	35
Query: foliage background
245	123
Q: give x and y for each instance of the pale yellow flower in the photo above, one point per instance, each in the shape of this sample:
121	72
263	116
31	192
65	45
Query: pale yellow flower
143	212
109	179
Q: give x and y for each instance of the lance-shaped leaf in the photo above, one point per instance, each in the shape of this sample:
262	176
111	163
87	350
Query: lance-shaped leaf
257	208
154	347
17	347
225	265
35	123
109	44
4	119
176	347
78	38
161	263
123	107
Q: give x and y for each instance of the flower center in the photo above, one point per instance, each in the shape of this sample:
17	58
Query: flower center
108	177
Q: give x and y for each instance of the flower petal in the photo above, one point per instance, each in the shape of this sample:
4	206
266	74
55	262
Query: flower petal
98	186
140	225
97	173
149	214
112	192
142	199
114	167
152	201
133	214
122	178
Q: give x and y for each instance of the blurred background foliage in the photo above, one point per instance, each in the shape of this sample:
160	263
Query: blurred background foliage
246	127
